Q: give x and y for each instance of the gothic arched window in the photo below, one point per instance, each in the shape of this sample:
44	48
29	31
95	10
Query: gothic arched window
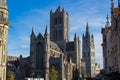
1	14
55	20
39	55
60	20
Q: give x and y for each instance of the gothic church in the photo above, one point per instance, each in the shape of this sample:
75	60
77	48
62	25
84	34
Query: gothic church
55	48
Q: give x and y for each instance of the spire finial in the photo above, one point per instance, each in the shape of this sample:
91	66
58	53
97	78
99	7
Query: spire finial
92	36
83	35
75	36
32	30
46	30
112	5
119	3
107	18
87	27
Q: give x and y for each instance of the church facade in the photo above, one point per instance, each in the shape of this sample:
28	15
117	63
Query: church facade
55	49
4	26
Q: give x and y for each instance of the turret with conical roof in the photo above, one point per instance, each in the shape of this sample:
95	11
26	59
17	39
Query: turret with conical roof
46	30
32	33
87	30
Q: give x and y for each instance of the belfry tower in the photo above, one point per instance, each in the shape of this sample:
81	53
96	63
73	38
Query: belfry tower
4	26
88	51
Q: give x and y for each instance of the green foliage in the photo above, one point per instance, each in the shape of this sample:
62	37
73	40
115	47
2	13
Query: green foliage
10	75
53	73
76	74
88	75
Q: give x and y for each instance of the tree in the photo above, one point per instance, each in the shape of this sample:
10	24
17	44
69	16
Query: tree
53	73
76	74
10	75
88	76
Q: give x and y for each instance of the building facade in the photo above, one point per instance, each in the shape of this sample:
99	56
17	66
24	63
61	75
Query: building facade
111	41
55	49
4	26
97	69
88	52
83	68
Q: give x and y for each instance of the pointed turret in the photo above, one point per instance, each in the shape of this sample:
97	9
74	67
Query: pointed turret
75	37
87	27
32	33
83	37
92	36
107	22
112	6
59	9
3	4
87	30
46	35
32	30
119	3
46	30
51	11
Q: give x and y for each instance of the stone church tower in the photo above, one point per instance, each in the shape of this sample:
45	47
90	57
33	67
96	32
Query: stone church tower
88	51
59	25
4	26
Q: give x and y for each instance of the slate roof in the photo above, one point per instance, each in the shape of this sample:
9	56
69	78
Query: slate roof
70	46
54	46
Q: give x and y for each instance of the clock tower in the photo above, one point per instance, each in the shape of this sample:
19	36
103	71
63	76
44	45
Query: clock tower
4	26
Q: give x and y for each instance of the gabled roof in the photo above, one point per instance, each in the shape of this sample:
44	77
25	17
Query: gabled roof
54	46
40	37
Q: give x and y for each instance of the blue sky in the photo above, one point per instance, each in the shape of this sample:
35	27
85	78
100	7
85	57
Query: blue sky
24	14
